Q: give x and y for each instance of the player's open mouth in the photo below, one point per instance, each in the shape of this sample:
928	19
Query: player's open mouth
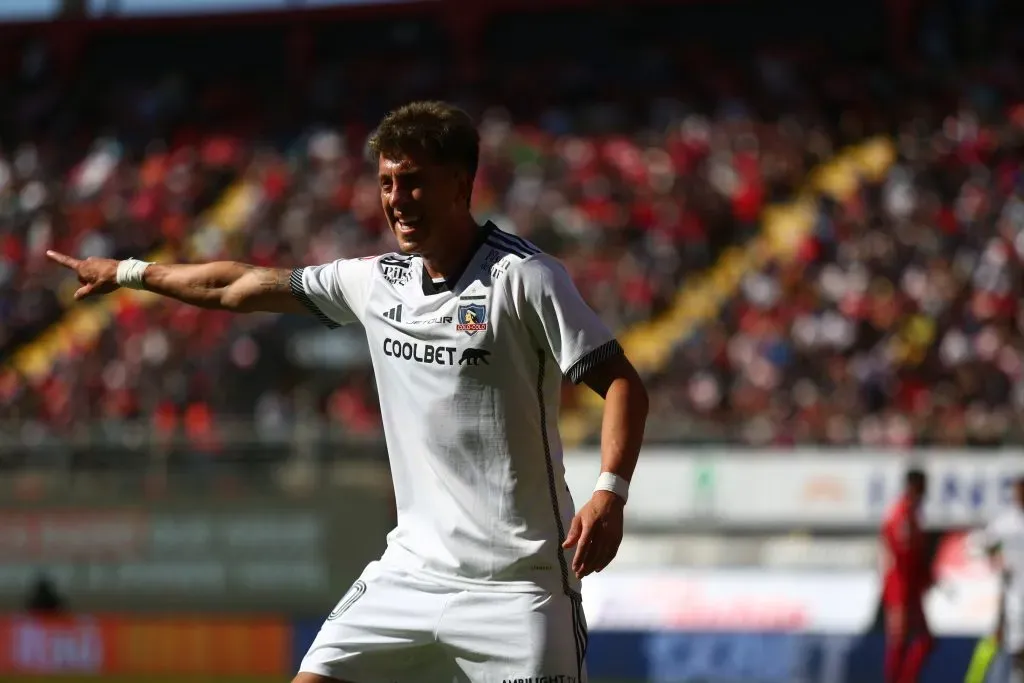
407	225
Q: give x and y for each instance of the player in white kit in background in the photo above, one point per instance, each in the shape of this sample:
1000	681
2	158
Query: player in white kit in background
1004	540
471	331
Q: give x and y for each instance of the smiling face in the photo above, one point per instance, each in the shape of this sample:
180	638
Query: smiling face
420	199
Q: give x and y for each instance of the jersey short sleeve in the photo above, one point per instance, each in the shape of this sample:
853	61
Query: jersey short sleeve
335	292
557	317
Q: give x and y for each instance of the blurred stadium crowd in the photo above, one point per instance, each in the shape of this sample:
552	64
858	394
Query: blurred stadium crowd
898	323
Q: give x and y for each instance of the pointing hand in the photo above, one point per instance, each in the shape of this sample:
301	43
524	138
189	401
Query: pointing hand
97	275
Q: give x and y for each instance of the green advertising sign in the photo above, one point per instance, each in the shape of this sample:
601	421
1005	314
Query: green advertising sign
252	554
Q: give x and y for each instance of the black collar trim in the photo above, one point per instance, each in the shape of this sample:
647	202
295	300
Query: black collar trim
430	288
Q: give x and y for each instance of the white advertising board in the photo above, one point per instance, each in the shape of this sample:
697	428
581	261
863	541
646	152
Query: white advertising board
755	600
662	491
806	488
794	489
730	600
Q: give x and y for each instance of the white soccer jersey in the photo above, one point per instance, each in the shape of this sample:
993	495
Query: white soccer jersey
1006	532
469	374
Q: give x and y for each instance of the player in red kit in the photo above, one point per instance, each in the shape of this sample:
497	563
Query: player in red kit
907	577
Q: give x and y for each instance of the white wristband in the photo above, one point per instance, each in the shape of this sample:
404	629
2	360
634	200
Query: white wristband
614	483
129	273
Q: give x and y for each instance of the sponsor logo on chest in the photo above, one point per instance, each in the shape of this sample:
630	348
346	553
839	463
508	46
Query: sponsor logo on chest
432	354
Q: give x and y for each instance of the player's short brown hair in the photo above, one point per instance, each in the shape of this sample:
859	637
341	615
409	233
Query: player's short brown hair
442	131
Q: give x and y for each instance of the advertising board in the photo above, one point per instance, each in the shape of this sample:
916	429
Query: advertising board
28	10
116	646
46	536
666	490
818	488
196	555
131	8
813	489
757	626
70	645
757	657
756	600
966	488
250	555
212	646
730	600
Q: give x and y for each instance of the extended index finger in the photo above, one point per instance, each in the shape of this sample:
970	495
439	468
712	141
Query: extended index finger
63	259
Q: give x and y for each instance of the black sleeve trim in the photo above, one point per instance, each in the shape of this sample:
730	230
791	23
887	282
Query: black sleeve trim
299	292
604	352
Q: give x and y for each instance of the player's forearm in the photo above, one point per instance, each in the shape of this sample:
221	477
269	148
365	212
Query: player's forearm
622	428
207	285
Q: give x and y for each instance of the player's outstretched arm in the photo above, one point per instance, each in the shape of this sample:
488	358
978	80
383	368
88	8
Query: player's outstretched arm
222	285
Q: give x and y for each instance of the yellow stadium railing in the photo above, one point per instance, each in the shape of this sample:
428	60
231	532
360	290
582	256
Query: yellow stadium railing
83	323
699	299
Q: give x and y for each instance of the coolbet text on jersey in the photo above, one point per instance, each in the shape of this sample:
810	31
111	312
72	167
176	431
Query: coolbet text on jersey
469	373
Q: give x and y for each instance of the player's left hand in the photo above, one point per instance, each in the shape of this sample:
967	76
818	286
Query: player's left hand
596	533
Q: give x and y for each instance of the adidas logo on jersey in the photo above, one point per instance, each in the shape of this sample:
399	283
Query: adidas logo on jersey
396	315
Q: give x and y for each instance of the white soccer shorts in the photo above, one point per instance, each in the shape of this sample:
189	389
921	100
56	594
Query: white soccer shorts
394	627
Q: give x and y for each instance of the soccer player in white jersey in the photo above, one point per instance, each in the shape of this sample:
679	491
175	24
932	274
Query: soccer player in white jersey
1004	540
471	331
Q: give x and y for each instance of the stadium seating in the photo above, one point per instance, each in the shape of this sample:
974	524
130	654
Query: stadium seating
640	187
631	213
896	321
